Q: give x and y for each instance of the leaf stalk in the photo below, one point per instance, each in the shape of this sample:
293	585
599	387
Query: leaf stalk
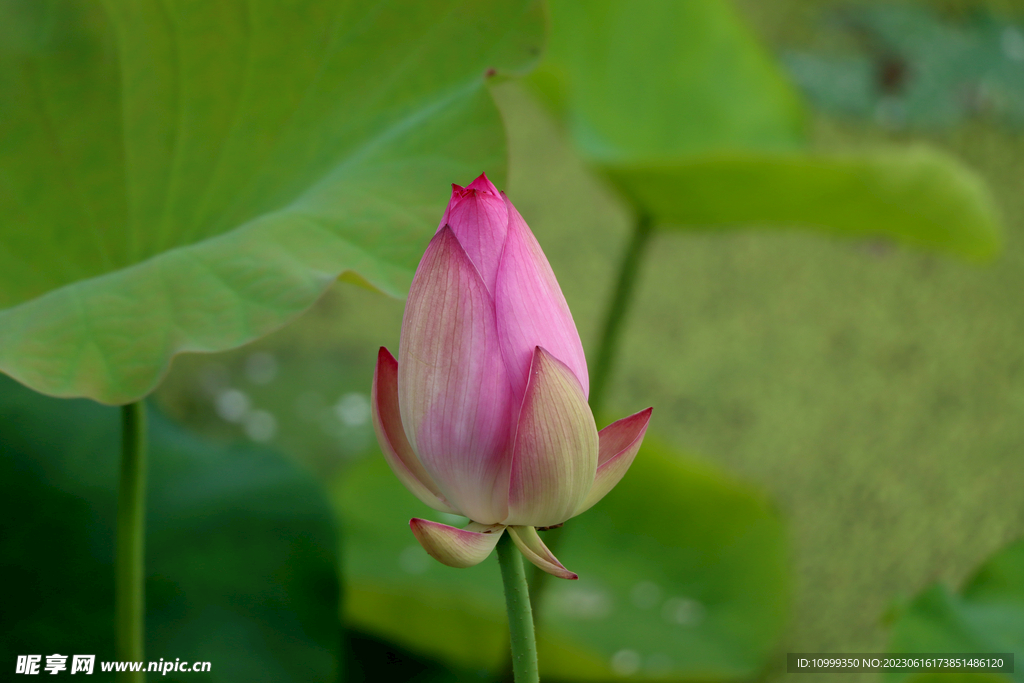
129	564
618	307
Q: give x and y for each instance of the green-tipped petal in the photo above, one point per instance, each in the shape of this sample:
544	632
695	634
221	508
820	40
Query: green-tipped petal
619	443
387	423
528	540
554	459
456	547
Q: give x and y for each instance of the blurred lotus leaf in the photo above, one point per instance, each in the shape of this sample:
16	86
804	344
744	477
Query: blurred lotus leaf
240	550
986	616
681	109
938	69
917	194
190	176
657	78
683	574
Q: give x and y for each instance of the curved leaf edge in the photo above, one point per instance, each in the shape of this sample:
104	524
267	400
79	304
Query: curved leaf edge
964	220
275	266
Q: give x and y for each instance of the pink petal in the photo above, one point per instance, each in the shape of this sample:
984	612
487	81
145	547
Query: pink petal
479	219
454	394
531	310
528	540
456	547
554	458
387	422
458	192
484	184
620	442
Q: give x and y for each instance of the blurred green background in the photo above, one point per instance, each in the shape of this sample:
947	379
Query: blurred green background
863	399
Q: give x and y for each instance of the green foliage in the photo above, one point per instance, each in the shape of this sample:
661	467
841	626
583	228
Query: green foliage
683	574
919	195
660	78
241	564
986	616
941	69
188	177
682	111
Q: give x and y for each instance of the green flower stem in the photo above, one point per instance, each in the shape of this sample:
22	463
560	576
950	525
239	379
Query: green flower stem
615	314
616	311
607	349
520	614
129	598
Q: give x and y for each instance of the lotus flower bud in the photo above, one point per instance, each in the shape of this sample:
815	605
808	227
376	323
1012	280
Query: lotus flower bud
485	414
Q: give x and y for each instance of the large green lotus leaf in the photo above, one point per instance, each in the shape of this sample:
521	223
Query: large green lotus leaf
918	195
189	176
241	566
641	79
683	575
677	104
986	616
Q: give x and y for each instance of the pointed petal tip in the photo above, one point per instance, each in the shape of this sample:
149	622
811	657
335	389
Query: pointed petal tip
529	543
618	445
643	416
459	548
458	192
483	183
623	432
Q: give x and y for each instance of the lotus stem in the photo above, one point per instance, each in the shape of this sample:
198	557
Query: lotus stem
520	614
129	567
616	312
607	349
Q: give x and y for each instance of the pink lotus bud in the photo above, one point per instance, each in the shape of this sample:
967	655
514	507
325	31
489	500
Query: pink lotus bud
485	413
